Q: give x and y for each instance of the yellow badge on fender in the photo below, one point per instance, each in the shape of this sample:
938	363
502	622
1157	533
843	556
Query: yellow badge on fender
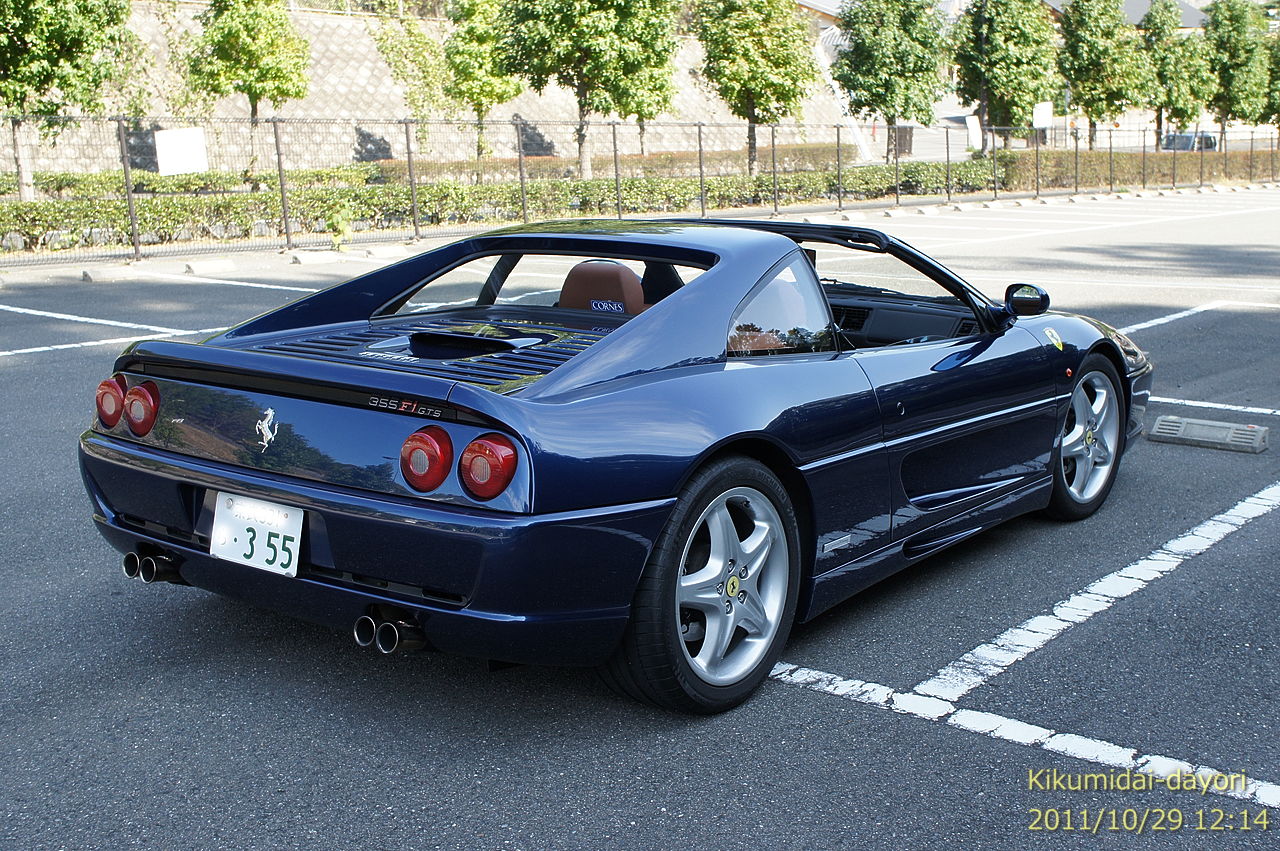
1053	338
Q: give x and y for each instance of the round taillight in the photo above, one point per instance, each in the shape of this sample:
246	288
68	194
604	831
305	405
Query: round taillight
487	466
426	457
141	405
110	400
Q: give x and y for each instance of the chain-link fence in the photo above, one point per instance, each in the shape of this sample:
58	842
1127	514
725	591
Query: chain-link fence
100	188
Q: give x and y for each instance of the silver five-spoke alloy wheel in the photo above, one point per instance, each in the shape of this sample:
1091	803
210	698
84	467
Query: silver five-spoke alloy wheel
732	589
1091	437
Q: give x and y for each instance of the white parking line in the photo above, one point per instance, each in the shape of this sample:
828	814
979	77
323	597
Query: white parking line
986	661
114	341
1172	317
1174	773
1183	314
1158	220
89	320
177	277
1217	406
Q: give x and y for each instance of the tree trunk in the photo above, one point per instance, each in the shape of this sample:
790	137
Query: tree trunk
1159	129
1222	134
983	118
479	147
890	139
584	153
640	123
251	170
1093	134
753	164
26	185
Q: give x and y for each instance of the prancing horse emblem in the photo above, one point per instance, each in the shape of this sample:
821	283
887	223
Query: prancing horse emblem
267	427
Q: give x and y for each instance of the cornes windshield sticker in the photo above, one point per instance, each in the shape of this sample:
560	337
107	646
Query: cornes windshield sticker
608	306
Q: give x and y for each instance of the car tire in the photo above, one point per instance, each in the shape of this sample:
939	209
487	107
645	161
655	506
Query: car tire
715	604
1090	443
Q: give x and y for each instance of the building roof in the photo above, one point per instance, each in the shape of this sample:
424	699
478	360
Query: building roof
1134	10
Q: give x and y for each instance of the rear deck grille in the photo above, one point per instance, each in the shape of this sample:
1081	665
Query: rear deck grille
488	370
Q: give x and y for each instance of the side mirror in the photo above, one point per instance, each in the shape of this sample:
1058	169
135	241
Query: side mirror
1025	300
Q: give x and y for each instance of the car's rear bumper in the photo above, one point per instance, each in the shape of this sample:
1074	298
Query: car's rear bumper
549	589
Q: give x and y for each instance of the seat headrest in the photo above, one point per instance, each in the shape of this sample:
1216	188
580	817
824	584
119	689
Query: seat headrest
605	286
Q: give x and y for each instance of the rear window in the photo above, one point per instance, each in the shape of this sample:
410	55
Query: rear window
603	284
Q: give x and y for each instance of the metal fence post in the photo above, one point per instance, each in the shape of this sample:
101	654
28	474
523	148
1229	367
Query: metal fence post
702	175
839	173
121	133
413	179
946	135
1251	132
1200	144
617	175
995	178
284	190
1144	159
773	153
1111	160
1035	134
524	195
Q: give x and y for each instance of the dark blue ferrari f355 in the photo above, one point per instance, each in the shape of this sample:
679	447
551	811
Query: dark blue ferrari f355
649	447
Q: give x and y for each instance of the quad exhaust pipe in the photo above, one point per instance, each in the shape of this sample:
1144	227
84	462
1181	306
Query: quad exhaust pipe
388	636
151	569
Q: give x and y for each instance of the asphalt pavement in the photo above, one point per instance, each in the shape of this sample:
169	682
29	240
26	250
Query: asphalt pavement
166	717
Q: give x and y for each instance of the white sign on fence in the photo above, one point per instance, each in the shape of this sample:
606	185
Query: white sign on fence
974	126
181	151
1042	115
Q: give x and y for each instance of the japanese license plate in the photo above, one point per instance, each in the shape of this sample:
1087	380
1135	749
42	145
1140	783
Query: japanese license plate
258	533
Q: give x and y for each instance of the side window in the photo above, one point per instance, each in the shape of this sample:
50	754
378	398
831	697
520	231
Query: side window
788	315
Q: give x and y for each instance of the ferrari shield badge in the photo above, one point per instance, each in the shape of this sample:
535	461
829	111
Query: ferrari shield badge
267	428
1054	338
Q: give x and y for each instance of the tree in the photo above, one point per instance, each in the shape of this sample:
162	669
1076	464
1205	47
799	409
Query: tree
649	99
474	79
604	51
891	61
249	47
1102	61
1005	60
1183	79
416	60
55	56
759	59
1272	111
1235	30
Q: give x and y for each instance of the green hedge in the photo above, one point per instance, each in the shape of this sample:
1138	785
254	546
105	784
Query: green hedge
354	196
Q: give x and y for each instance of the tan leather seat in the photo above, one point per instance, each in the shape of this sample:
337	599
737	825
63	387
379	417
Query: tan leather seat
605	286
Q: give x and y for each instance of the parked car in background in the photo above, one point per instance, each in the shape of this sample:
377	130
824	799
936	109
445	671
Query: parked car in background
1201	141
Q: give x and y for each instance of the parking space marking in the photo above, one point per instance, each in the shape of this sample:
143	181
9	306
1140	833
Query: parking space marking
1183	314
69	317
1158	220
989	660
1217	406
178	277
1174	771
114	341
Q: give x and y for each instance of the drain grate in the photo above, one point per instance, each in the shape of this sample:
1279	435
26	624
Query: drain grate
1210	434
